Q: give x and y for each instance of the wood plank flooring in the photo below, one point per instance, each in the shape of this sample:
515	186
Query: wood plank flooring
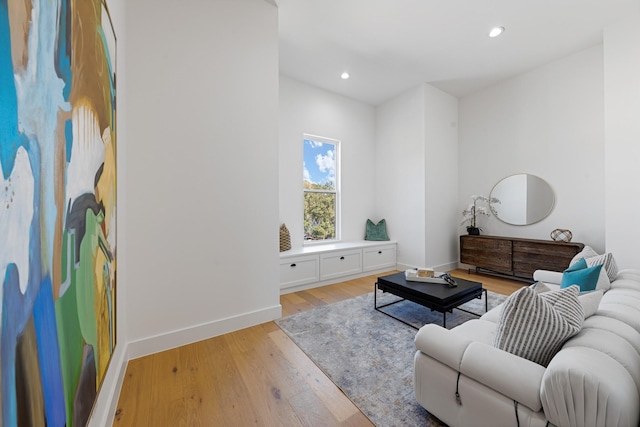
255	376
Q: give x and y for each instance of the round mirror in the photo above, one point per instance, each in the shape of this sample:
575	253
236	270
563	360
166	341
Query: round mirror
523	199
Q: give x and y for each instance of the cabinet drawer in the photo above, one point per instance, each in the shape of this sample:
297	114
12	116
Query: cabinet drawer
340	263
515	256
378	257
489	253
531	256
299	271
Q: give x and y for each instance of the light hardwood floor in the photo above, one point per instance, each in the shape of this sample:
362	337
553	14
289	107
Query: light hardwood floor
255	376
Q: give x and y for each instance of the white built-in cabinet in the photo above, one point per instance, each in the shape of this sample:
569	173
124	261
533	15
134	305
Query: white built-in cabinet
321	265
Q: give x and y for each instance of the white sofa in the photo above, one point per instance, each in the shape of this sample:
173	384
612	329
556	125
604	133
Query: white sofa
594	380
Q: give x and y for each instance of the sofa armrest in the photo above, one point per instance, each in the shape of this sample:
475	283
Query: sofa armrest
514	377
441	344
547	276
586	387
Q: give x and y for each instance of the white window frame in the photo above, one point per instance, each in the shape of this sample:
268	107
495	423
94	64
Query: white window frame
337	144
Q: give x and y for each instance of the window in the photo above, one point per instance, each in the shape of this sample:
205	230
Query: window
321	189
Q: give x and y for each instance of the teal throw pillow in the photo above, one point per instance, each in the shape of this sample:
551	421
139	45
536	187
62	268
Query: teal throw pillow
581	275
578	265
376	231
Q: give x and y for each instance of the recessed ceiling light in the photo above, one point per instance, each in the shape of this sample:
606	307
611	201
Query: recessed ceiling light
496	31
344	75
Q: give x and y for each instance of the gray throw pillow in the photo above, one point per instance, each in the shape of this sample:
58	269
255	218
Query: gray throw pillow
586	252
608	264
535	325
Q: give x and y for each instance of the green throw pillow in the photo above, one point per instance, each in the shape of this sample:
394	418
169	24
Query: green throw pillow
581	275
376	231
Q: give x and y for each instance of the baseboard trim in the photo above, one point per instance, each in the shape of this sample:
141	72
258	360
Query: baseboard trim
173	339
104	409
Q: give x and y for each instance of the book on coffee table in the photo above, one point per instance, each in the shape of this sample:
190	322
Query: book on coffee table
426	275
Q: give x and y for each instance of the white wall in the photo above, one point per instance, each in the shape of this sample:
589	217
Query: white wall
622	104
417	175
548	122
441	179
306	109
202	146
400	174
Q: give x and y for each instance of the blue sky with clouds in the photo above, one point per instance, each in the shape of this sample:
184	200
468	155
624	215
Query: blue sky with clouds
319	162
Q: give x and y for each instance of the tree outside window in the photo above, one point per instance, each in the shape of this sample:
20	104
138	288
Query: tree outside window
320	185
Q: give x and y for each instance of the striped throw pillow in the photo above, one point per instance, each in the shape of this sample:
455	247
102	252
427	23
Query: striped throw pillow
608	264
593	258
535	325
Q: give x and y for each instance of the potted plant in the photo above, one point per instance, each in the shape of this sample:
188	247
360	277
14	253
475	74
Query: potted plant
481	206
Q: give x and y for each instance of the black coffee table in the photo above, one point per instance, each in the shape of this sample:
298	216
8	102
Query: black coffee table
435	296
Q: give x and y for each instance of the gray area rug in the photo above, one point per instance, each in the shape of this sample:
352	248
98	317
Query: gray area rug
369	355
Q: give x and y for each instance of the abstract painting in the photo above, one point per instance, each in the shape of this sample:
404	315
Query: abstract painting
57	208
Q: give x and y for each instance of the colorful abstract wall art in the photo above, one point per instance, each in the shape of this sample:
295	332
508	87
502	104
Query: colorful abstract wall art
57	209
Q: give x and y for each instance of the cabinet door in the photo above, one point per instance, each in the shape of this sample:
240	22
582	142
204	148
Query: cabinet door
529	256
340	263
487	252
378	257
299	271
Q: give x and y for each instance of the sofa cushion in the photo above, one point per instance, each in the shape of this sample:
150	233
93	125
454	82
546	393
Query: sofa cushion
616	326
479	330
535	326
590	302
493	315
622	304
627	278
582	275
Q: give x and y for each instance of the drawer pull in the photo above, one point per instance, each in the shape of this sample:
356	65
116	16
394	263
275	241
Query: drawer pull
341	257
293	265
379	252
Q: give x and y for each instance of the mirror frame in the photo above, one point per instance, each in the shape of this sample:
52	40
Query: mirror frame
550	195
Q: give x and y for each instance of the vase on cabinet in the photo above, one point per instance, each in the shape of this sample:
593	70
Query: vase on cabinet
473	231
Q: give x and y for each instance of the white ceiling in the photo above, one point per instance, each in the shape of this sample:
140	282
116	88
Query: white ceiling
389	46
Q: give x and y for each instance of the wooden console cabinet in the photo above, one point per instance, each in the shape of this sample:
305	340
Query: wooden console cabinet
516	257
